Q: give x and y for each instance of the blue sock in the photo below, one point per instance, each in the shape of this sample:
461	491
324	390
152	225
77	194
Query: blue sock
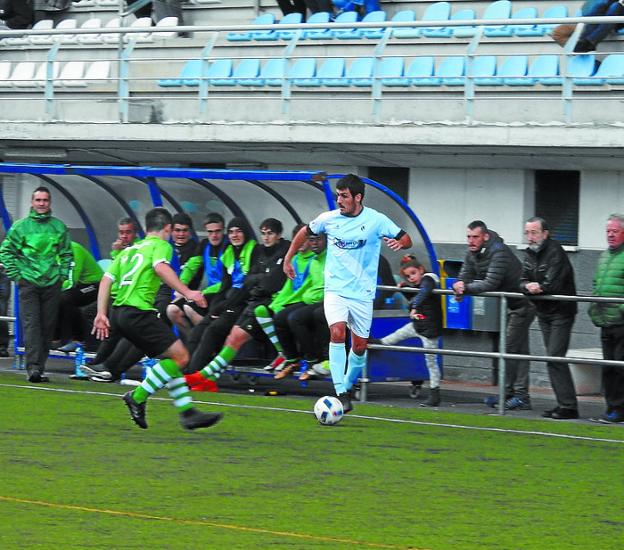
337	359
355	368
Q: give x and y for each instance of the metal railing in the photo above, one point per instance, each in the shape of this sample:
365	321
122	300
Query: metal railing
377	96
502	355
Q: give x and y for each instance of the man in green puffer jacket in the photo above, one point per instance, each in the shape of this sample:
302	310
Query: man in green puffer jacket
609	281
37	255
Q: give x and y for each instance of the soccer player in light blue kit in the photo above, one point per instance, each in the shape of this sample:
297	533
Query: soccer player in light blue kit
354	235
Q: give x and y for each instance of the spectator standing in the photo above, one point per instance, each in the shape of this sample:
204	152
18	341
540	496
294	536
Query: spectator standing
609	281
37	255
490	265
17	14
5	296
293	6
354	234
547	270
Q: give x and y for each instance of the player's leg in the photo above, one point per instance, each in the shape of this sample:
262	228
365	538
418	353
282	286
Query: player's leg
337	314
360	320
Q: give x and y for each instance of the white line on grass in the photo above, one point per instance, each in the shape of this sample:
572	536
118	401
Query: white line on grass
364	417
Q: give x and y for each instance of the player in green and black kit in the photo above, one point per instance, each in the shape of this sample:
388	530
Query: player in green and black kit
138	272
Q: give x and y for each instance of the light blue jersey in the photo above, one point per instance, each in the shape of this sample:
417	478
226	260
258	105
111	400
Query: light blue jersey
353	247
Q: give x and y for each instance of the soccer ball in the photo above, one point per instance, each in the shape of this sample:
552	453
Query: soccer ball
328	410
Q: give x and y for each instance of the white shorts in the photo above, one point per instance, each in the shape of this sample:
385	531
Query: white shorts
358	314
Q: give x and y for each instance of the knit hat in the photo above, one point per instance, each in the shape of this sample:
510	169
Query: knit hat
242	224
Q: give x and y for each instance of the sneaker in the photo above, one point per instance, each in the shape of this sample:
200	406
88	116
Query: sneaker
193	419
276	364
287	370
322	368
137	410
491	401
69	347
345	399
613	417
97	371
549	412
517	404
564	414
37	378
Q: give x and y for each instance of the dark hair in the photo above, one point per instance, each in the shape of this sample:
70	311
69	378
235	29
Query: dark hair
41	189
182	218
242	224
410	260
297	228
478	224
127	221
353	183
541	221
273	225
157	219
214	217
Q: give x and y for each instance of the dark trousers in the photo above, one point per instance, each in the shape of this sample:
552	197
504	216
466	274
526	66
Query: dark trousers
207	339
597	33
123	357
283	332
613	377
5	294
71	323
556	329
311	332
517	370
38	313
292	6
320	5
167	8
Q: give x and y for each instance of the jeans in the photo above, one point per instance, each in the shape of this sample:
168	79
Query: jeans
38	313
613	377
556	329
597	33
517	370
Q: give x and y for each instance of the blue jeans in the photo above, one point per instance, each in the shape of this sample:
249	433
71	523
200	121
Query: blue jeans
597	33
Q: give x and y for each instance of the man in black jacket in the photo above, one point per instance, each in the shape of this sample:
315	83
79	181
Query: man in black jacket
490	265
547	270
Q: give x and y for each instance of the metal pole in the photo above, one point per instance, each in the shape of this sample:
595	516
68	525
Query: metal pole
502	348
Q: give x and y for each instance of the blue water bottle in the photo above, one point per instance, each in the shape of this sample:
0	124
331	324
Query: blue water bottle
78	362
304	367
148	363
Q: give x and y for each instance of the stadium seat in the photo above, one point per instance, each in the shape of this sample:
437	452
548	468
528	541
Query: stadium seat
41	39
542	29
83	4
302	71
23	74
403	15
390	72
71	74
44	24
543	66
219	73
246	72
440	11
264	19
464	31
273	72
360	72
483	66
316	18
99	38
191	69
512	66
508	30
354	34
142	22
611	71
579	67
113	38
501	9
420	71
328	34
290	19
377	33
331	72
5	72
98	72
93	23
165	22
41	73
451	71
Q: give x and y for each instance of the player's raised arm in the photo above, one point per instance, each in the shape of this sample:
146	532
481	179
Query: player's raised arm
401	241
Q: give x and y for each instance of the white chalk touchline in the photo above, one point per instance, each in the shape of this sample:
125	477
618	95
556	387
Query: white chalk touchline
362	416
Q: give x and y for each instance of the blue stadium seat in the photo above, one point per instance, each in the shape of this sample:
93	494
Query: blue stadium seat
543	66
360	72
611	71
331	72
579	66
303	71
512	66
290	19
483	66
353	34
420	72
273	72
264	19
327	34
316	19
451	71
403	15
541	30
220	73
191	69
390	71
246	72
508	30
462	15
440	11
501	9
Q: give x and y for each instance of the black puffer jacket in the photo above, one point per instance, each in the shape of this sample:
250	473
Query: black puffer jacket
493	268
550	267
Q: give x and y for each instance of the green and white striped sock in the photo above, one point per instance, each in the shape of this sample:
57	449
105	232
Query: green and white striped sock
157	376
180	393
268	326
219	363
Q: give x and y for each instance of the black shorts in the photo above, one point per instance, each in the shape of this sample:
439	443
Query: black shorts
145	329
248	322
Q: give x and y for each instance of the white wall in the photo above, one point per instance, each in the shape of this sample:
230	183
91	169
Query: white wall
446	200
601	194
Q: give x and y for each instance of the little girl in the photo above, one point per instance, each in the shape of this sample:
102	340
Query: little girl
426	315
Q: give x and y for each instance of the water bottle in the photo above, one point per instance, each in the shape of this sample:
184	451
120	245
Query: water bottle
304	367
78	362
389	302
147	363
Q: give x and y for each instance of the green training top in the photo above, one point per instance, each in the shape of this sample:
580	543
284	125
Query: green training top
133	272
315	290
294	289
85	270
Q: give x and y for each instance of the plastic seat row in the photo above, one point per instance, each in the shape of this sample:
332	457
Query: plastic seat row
440	11
29	74
398	72
93	23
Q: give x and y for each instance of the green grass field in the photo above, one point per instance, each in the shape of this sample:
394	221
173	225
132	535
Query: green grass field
76	473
